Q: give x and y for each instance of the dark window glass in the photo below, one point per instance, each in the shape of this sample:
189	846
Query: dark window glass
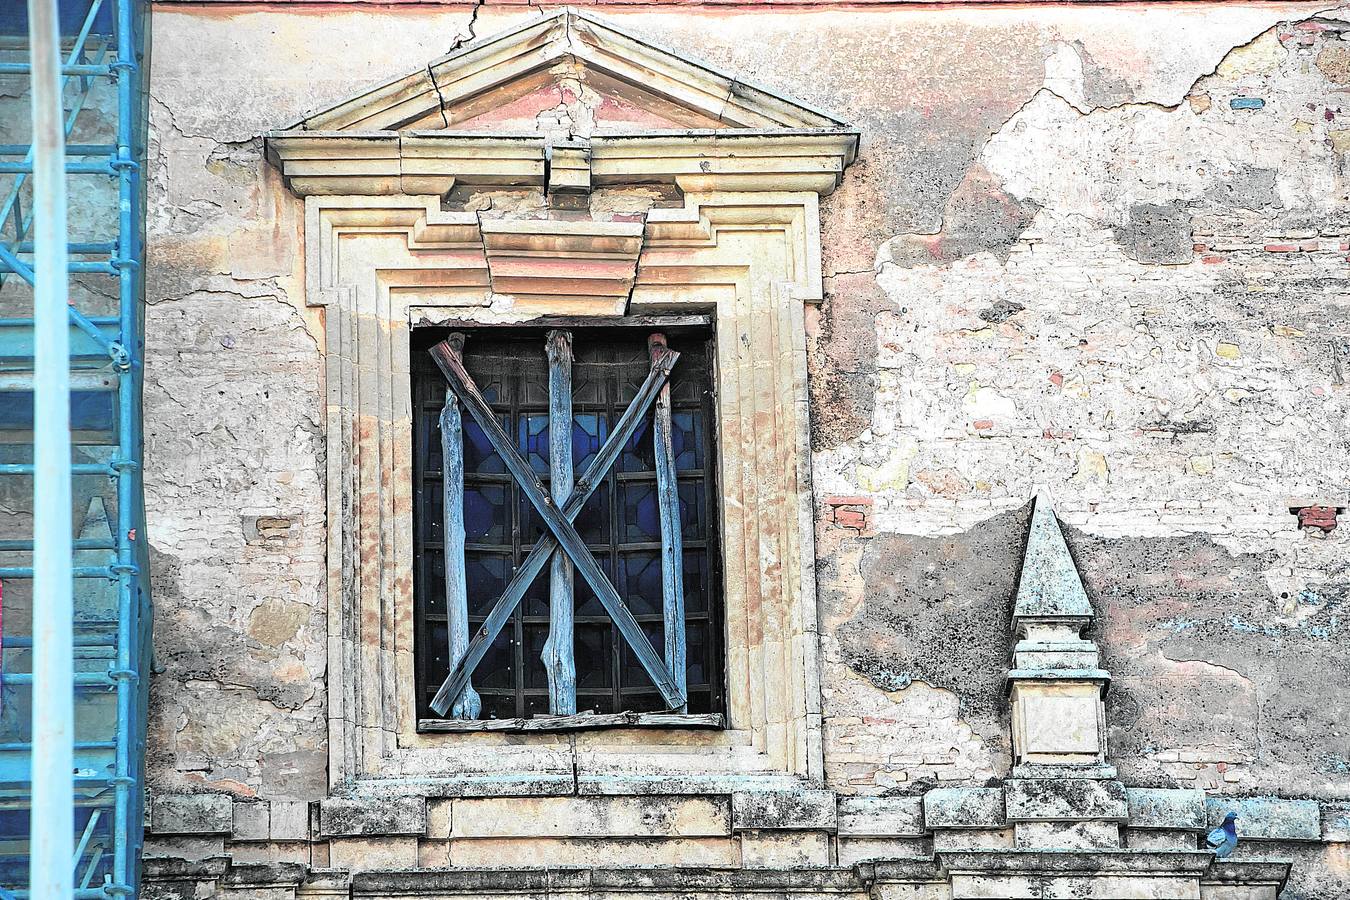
619	523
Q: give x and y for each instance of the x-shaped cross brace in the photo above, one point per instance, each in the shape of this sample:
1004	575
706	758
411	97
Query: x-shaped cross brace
559	523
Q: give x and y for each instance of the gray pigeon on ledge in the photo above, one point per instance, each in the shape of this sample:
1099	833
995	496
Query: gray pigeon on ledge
1223	840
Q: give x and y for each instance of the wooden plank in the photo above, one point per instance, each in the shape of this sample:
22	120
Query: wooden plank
452	366
672	546
576	722
543	548
558	649
467	704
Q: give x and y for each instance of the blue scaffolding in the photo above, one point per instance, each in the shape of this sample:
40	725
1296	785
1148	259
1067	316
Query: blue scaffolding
104	115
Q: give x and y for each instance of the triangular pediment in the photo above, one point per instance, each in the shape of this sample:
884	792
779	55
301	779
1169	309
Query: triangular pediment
571	74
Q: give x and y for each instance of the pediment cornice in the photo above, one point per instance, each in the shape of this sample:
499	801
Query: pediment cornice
400	137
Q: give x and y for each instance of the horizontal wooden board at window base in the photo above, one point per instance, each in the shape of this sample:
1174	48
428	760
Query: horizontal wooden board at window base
517	699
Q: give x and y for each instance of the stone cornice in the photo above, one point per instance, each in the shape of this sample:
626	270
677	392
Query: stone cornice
382	163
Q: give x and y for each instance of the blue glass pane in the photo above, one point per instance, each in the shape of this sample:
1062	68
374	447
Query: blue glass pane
433	520
532	441
485	578
637	455
536	600
633	673
536	676
640	583
587	603
593	652
641	512
592	523
438	654
696	651
686	440
589	431
485	513
434	590
495	669
479	457
695	581
692	514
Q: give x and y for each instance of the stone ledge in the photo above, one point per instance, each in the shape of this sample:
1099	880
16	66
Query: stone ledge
1143	862
881	816
539	880
1248	872
192	814
1268	818
1065	800
783	810
1164	808
963	808
344	817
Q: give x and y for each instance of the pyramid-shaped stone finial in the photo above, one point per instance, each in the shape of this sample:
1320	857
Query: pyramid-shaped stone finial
1051	587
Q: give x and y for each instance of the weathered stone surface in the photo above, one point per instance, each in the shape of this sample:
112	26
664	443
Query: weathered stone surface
1068	799
881	816
1049	586
661	816
784	810
1268	818
343	817
191	814
963	808
1067	835
1166	808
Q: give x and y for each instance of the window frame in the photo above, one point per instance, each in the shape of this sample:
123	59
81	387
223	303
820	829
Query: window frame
426	386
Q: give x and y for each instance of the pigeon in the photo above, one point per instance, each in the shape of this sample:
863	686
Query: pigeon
1223	840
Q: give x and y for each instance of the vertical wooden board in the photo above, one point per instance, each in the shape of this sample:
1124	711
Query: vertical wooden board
558	653
672	547
467	705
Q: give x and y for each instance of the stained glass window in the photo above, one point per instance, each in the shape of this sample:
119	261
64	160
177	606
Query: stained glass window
620	523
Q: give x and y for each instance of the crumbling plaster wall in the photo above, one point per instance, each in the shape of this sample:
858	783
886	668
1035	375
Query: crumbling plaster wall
1064	258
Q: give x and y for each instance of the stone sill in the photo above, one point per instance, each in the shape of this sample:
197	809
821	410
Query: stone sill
585	721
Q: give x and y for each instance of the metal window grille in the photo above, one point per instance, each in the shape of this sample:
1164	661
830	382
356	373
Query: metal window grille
620	524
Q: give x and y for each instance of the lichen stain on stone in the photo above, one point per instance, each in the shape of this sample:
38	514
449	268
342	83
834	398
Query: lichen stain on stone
1204	655
937	610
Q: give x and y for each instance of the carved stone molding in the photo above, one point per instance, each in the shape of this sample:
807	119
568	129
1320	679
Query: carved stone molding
742	247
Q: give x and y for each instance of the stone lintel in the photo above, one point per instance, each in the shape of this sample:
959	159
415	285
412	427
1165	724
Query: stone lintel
1100	676
1065	800
783	810
963	808
687	881
1035	771
1268	818
1166	808
368	816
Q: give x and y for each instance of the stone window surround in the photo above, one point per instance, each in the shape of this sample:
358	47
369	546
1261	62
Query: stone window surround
380	265
382	257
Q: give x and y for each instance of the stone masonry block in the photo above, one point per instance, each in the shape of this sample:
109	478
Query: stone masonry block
881	816
370	817
250	820
1336	822
192	814
1268	818
1065	800
963	808
290	820
1166	808
783	810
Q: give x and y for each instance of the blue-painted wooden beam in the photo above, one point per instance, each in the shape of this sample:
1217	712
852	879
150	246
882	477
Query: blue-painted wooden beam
672	544
468	705
539	555
558	655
